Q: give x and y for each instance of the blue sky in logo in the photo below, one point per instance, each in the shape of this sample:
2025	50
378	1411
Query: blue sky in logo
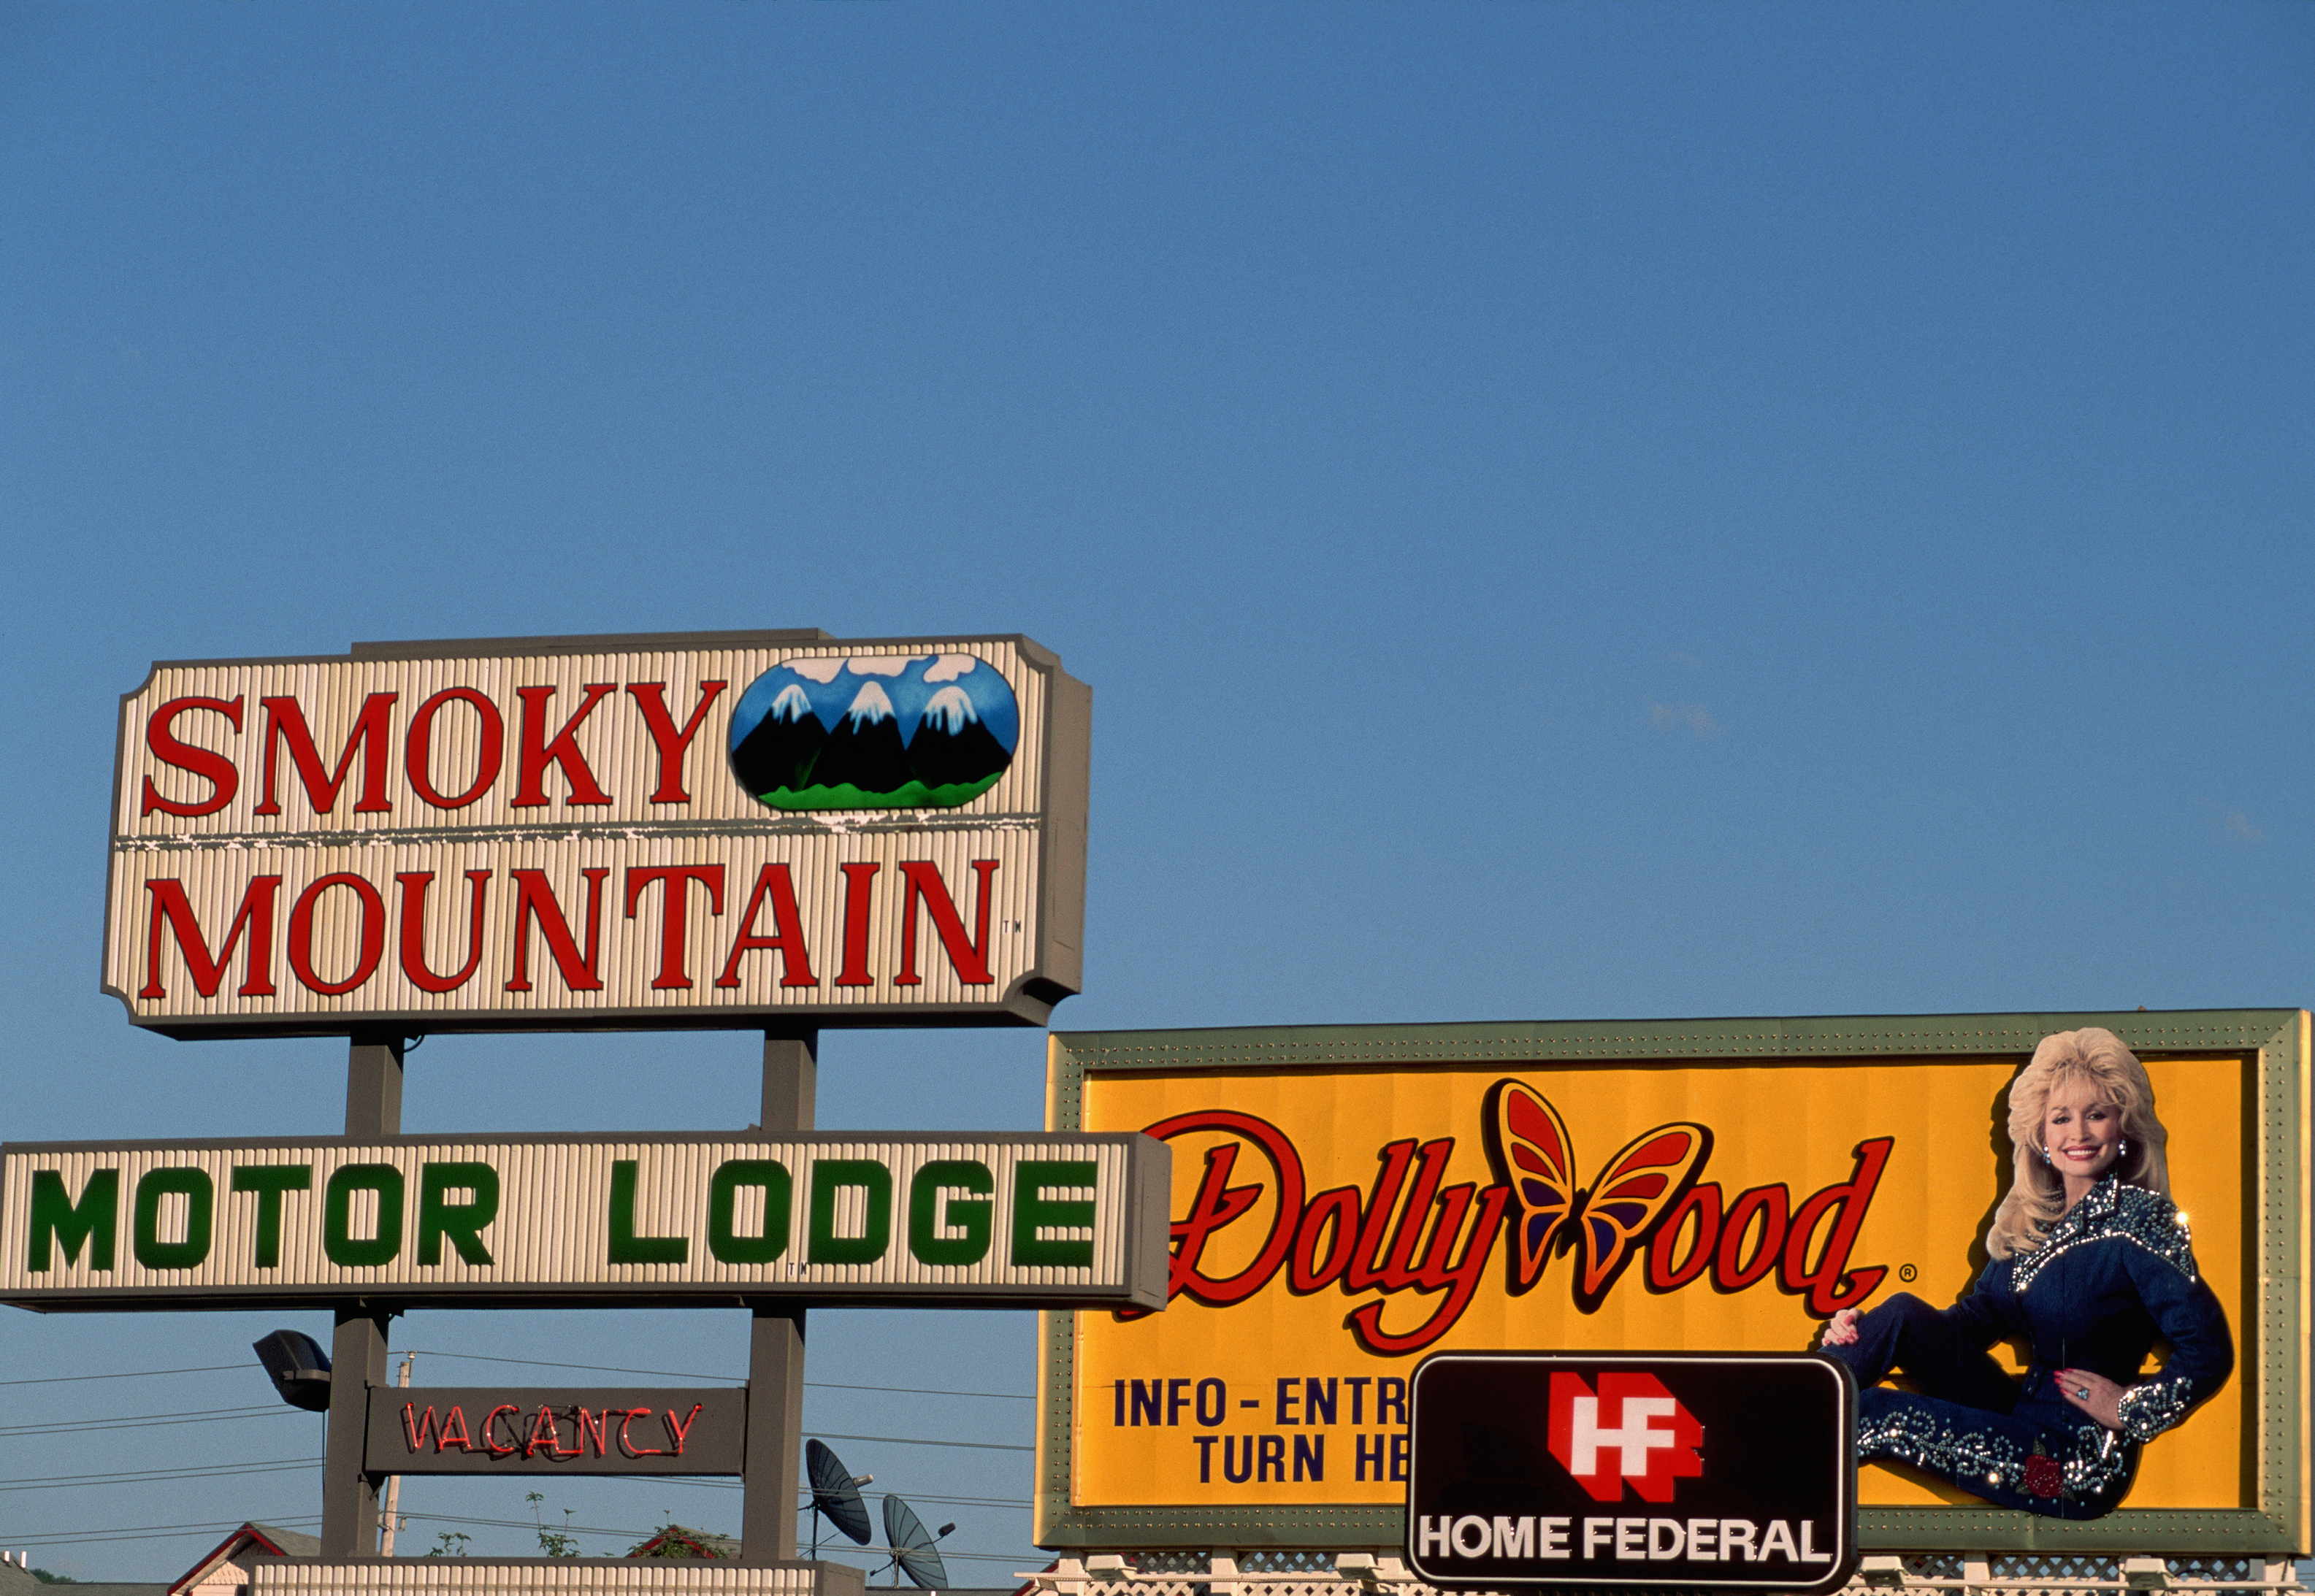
908	681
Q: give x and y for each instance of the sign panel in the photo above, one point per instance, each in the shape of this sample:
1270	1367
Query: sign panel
1656	1471
502	1430
708	1219
1345	1204
714	830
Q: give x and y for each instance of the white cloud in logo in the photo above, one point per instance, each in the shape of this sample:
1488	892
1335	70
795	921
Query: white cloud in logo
880	664
949	667
2239	824
823	672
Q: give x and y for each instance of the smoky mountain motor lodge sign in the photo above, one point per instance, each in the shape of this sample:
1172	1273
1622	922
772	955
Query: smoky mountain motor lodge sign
632	1222
1543	1471
550	834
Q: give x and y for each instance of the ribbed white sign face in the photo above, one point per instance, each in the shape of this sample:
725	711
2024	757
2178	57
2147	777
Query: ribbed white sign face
1053	1221
555	834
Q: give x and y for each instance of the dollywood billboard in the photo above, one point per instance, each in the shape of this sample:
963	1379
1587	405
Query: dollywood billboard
1348	1199
731	830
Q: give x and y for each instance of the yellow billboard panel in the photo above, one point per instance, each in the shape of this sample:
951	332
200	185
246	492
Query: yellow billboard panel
1339	1212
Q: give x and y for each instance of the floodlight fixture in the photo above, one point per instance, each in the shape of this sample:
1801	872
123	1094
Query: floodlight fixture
299	1367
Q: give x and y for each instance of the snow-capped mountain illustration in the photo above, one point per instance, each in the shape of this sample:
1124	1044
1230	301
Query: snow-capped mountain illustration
951	747
792	704
948	711
874	731
783	749
865	750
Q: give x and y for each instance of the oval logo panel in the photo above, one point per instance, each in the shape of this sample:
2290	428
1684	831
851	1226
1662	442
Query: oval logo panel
874	731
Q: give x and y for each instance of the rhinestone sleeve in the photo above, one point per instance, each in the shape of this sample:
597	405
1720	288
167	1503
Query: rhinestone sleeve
2152	1407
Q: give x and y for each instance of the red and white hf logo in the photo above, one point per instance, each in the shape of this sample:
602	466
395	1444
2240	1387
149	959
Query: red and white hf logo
1630	1431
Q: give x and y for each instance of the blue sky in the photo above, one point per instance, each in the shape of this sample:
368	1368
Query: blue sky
1566	511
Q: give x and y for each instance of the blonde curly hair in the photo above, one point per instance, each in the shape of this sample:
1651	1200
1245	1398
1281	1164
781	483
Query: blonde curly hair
2037	1195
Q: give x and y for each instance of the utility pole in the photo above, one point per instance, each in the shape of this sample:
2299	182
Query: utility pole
391	1521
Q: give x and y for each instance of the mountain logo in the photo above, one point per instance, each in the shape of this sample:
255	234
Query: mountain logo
874	731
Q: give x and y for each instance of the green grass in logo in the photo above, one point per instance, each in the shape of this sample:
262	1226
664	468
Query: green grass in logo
914	794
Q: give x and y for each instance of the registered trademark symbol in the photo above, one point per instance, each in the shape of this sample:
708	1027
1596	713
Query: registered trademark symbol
1906	1271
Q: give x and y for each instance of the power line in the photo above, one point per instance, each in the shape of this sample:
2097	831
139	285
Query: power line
65	1380
528	1524
804	1497
205	1416
61	1379
550	1363
149	1531
919	1391
217	1525
646	1534
803	1501
979	1446
205	1471
734	1380
947	1556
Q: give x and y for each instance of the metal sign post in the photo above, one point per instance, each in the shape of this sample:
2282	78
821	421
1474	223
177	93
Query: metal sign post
769	1493
357	1346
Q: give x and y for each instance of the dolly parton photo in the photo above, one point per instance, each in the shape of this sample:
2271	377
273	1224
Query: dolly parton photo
2091	1266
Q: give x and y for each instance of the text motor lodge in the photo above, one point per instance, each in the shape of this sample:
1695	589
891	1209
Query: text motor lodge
873	1217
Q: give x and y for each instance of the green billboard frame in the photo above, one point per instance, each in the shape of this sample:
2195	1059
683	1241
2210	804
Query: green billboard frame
2273	1044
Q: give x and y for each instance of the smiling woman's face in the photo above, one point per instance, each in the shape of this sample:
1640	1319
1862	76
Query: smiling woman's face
2083	1130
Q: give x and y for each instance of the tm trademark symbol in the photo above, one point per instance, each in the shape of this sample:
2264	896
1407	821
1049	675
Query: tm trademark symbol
1906	1271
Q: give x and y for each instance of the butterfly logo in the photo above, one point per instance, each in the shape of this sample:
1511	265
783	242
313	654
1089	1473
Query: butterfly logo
1607	1223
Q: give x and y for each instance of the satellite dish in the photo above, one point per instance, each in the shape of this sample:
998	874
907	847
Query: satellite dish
835	1494
912	1546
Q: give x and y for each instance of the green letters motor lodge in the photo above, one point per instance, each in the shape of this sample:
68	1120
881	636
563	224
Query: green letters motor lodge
537	1220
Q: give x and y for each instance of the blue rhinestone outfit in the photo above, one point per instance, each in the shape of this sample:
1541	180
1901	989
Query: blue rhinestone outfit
2114	1276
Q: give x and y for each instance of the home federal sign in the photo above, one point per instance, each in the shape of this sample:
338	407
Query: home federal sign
1547	1471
